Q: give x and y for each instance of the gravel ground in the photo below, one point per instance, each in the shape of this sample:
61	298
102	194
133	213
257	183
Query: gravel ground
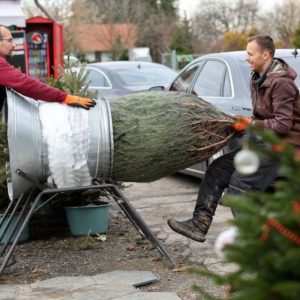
53	252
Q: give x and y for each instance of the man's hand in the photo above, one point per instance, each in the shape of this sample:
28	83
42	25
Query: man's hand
76	101
241	124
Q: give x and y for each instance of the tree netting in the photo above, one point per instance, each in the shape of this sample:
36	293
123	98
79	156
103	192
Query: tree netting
159	133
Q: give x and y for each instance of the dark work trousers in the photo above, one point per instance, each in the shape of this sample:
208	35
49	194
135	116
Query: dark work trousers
221	174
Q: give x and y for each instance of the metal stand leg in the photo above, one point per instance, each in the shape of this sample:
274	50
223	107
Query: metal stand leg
138	222
124	204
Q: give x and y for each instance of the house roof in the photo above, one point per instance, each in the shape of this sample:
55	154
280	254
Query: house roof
102	37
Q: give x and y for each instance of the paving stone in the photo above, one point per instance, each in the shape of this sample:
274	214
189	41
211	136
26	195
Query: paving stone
102	292
135	278
8	292
61	283
151	296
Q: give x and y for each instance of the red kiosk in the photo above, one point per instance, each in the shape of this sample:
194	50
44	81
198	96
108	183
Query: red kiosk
44	45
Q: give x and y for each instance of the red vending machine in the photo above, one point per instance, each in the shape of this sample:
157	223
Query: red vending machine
44	42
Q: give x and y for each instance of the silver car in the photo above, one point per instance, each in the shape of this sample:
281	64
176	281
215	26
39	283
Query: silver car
223	80
118	78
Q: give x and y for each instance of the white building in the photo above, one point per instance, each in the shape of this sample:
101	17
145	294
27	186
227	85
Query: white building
11	13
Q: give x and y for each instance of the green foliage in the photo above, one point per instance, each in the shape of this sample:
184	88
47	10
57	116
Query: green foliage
82	57
118	50
182	40
268	259
73	80
296	37
167	7
3	159
234	41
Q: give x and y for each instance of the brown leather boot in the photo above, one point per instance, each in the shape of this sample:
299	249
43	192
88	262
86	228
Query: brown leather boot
195	229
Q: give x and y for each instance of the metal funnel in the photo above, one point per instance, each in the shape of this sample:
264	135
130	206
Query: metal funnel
28	150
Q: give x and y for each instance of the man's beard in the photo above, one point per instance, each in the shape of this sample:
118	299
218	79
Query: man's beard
9	55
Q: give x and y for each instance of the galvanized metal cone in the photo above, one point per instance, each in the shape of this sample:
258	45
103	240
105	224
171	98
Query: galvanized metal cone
28	150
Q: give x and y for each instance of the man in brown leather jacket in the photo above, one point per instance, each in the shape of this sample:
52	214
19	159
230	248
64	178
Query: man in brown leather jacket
276	106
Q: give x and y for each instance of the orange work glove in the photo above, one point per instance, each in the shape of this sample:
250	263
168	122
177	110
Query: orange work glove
76	101
241	124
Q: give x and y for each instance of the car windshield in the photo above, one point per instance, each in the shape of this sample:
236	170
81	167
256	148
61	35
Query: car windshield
146	76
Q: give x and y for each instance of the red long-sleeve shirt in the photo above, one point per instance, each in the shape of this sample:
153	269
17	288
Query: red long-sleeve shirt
27	86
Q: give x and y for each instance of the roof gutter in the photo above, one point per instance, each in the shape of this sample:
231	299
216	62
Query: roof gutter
43	9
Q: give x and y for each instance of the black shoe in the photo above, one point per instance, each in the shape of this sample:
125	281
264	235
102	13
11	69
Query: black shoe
187	228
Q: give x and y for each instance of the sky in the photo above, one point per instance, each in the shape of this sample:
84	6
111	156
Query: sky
190	5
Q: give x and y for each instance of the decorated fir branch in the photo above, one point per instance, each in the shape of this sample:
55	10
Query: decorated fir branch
266	249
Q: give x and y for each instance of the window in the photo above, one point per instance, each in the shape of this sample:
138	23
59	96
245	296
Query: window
183	82
210	80
146	76
227	86
96	79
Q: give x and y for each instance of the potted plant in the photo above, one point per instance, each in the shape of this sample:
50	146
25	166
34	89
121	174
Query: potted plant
87	213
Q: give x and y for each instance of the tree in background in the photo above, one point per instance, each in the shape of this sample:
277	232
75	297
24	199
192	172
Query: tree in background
183	37
113	14
167	7
155	21
158	26
234	41
281	21
296	37
215	17
266	250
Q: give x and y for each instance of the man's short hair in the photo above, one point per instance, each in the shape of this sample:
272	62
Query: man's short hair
265	42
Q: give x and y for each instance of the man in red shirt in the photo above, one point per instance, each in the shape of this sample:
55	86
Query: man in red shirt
28	86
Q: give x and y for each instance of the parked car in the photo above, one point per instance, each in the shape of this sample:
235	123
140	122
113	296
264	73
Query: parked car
223	80
118	78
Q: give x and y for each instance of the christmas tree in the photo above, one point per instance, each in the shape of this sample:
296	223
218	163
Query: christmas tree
3	159
266	249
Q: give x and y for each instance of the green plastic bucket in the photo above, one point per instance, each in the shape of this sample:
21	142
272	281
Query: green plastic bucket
89	219
24	236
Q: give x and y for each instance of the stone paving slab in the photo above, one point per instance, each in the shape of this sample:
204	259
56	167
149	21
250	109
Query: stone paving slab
62	283
8	292
115	285
135	278
151	296
102	292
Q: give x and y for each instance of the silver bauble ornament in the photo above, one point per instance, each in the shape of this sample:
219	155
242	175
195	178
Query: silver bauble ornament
246	162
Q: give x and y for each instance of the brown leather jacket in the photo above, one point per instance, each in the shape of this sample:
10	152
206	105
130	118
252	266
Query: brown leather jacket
276	101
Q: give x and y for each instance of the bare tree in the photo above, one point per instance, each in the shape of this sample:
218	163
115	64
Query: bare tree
82	12
281	21
214	18
153	28
59	9
118	14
